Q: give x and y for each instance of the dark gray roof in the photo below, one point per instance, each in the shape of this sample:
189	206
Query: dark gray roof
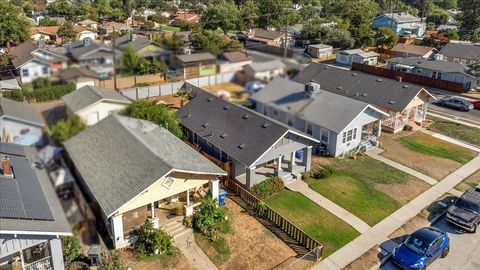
19	110
378	91
196	57
401	17
264	66
210	117
78	50
461	51
439	65
89	95
44	214
138	43
22	53
77	72
119	157
326	109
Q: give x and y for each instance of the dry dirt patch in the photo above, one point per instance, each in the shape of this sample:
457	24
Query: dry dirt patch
367	261
236	91
177	261
403	192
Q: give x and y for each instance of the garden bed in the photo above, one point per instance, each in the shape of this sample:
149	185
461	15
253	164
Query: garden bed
161	261
454	130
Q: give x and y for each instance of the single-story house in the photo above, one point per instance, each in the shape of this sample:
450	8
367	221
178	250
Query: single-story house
88	24
108	27
437	69
234	61
145	48
50	33
80	76
273	38
196	64
31	217
94	56
340	123
186	17
20	123
320	50
402	23
405	103
412	50
460	53
264	71
31	62
133	170
347	57
254	146
92	104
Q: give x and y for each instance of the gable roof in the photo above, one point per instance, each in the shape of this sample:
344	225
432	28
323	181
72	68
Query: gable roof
326	109
22	53
264	66
400	17
52	30
461	51
77	72
235	57
89	95
211	117
138	43
195	57
188	17
266	34
439	65
378	91
120	157
21	111
411	48
80	49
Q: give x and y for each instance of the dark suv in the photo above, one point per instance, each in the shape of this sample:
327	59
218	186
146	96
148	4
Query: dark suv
465	212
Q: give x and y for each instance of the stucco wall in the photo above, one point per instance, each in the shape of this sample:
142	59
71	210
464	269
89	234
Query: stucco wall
104	109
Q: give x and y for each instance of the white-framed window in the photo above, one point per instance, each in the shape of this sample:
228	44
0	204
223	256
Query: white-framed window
349	135
456	60
437	75
275	112
24	72
265	110
309	129
325	135
289	120
168	182
45	70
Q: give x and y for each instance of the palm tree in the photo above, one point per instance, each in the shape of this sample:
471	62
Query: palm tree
184	95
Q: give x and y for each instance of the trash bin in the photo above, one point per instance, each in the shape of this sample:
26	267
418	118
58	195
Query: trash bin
299	154
222	194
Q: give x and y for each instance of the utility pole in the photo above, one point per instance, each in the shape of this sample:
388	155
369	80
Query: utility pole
286	39
114	60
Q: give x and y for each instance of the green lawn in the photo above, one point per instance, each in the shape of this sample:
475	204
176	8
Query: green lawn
170	28
428	145
469	182
457	131
320	224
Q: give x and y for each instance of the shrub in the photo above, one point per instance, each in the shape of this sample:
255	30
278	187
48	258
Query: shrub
151	239
317	173
65	129
70	249
111	261
187	221
268	187
48	93
41	83
210	219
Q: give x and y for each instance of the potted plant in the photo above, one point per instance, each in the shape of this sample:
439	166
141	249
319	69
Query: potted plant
179	211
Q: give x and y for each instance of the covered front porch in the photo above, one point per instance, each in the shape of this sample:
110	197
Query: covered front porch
413	117
370	136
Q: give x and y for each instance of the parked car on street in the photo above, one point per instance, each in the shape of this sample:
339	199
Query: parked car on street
465	212
476	104
421	248
456	103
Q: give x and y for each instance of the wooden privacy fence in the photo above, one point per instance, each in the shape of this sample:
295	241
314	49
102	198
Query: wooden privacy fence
280	221
411	78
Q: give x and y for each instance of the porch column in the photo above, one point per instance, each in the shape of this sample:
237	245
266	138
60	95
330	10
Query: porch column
117	230
278	170
291	164
56	253
425	107
152	207
307	158
379	131
250	177
214	184
188	197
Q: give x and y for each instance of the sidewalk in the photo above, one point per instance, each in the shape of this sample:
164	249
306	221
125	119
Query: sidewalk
375	154
196	256
378	233
349	218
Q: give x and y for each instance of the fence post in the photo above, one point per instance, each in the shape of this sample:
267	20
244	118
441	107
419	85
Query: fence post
136	93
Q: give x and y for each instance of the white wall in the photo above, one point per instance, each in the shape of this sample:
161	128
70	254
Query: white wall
103	108
14	128
232	67
87	34
35	70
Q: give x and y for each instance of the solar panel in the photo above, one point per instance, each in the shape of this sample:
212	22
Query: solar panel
21	196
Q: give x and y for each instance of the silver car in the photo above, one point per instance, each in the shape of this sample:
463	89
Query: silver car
456	103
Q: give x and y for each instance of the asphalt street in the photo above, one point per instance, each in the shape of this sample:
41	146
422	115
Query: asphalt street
472	116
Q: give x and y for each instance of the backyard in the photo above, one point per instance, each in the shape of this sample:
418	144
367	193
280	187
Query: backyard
366	187
236	91
424	153
454	130
320	224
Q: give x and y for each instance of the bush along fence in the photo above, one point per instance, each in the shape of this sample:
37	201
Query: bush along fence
280	221
48	93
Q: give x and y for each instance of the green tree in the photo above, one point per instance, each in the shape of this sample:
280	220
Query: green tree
158	114
249	14
210	219
66	129
111	261
386	38
153	66
70	249
172	41
273	13
130	61
67	32
335	37
470	19
215	43
224	16
47	22
14	26
151	239
451	34
446	4
63	8
437	16
185	95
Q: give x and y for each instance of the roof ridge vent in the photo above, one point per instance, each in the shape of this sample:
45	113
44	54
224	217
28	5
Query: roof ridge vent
265	125
224	135
246	116
379	79
210	99
227	107
354	74
205	125
339	88
405	86
391	102
364	94
242	145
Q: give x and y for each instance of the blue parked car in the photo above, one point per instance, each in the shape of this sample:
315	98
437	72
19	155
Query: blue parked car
421	248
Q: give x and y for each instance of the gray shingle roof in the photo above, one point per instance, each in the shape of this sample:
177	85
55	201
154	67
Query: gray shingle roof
439	65
78	50
264	66
23	53
77	72
120	157
194	57
89	95
461	51
326	109
378	91
20	111
402	17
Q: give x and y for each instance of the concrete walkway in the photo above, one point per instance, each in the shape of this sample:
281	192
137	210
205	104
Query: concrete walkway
349	218
193	253
379	233
449	118
375	154
450	140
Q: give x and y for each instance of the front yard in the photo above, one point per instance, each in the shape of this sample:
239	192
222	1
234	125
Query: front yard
366	187
161	261
424	153
469	182
454	130
320	224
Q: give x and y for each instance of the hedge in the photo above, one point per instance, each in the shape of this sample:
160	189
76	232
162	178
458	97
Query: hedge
268	187
42	94
318	173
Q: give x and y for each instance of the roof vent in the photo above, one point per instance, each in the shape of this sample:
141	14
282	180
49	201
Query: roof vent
246	116
364	94
379	80
242	145
224	135
312	88
339	88
265	125
354	74
405	86
205	125
391	102
210	99
227	107
325	67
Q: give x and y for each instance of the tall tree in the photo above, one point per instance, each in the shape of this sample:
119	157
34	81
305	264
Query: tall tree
130	61
225	16
14	26
386	38
67	32
273	13
249	12
470	19
63	8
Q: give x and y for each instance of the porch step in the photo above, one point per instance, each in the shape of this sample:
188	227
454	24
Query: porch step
176	229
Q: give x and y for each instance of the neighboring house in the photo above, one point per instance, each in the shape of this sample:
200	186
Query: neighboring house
20	123
31	62
93	55
406	103
31	217
89	24
272	38
234	61
145	48
253	146
187	17
80	76
340	123
347	57
132	170
264	71
108	27
320	50
50	33
402	23
85	33
437	69
460	53
411	50
196	64
444	27
92	104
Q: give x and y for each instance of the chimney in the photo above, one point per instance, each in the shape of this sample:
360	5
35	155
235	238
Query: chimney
312	88
6	167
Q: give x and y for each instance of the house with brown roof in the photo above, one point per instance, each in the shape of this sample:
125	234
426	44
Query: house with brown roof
187	17
234	61
267	37
196	64
50	33
411	50
107	28
80	76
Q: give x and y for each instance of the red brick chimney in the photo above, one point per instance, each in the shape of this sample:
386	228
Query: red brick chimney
6	167
399	78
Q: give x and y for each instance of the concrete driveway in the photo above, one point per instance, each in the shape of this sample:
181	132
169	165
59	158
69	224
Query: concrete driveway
464	250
